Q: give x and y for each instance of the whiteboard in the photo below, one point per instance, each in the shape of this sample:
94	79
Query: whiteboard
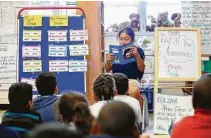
168	109
178	54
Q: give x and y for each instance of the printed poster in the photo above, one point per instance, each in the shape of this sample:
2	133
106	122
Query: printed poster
32	35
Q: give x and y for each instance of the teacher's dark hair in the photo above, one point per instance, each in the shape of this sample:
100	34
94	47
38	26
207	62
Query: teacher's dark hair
202	92
129	31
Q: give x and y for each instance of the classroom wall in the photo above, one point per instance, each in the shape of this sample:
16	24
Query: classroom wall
8	30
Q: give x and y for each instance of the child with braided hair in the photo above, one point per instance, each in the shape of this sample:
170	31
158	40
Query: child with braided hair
72	109
104	90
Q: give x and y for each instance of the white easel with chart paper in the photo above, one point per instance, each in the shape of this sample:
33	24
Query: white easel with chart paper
177	59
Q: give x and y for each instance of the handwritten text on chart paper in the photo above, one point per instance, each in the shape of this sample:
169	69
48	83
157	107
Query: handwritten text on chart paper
7	63
197	14
176	49
170	108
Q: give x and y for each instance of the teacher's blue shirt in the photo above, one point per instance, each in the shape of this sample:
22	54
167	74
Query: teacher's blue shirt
130	69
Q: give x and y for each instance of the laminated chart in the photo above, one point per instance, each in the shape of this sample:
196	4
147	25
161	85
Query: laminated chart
31	51
58	65
78	50
32	65
57	50
77	65
57	35
78	35
32	35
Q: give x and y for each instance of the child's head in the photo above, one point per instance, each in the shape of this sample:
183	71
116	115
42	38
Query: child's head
104	87
126	35
46	84
20	96
202	92
73	108
117	119
54	130
122	83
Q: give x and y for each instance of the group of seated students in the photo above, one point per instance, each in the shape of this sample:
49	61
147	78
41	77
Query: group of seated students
115	114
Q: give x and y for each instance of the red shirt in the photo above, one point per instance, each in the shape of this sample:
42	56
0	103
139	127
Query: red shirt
196	126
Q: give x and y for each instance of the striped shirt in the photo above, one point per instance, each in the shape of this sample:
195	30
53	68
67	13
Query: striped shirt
21	122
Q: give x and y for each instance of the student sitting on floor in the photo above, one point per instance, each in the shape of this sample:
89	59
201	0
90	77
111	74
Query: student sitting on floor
44	104
20	117
104	90
122	85
116	120
198	125
73	110
54	130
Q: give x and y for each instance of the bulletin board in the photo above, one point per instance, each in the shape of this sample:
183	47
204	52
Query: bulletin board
53	44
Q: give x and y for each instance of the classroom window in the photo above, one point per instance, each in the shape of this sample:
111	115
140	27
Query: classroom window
118	12
154	8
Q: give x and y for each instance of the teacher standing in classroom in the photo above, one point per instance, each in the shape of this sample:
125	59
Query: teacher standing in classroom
133	70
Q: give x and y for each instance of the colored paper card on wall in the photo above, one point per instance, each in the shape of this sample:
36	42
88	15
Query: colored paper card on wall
35	20
77	63
57	35
31	51
78	38
32	35
82	63
78	50
79	46
77	69
58	65
32	66
58	69
84	52
57	50
59	20
78	32
78	35
75	53
84	47
29	81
